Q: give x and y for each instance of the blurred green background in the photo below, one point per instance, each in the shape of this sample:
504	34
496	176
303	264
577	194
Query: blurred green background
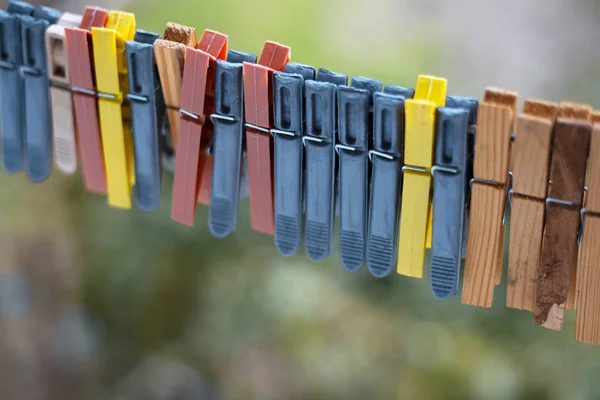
98	303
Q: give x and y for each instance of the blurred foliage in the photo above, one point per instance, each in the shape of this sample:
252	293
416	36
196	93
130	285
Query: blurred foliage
169	312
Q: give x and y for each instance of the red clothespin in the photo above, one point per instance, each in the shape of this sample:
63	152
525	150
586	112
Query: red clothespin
197	104
85	108
258	98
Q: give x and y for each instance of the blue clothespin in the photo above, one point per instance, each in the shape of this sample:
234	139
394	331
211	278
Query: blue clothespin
386	179
288	113
148	112
12	91
228	121
454	124
355	123
319	180
38	117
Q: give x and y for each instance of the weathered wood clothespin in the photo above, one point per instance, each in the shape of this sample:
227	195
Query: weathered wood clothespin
558	261
489	188
530	162
587	323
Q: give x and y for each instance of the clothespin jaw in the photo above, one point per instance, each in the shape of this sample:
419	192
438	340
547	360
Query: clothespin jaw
530	168
489	189
450	180
558	260
169	53
587	327
430	93
80	57
148	112
228	121
197	103
319	148
288	121
12	91
386	179
111	80
257	97
61	102
38	120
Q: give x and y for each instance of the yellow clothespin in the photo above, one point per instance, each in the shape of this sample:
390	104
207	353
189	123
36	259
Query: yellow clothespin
111	78
430	93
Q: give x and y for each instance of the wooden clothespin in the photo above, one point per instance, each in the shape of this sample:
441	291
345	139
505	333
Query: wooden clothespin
558	262
530	162
587	323
169	53
489	188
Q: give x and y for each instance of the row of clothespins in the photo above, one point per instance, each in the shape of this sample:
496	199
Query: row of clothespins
404	169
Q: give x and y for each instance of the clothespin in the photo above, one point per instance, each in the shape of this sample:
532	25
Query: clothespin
257	102
355	122
115	115
228	127
148	112
489	189
450	183
386	179
558	261
61	101
196	105
430	93
288	119
38	120
530	168
205	163
587	322
12	89
319	148
169	53
85	107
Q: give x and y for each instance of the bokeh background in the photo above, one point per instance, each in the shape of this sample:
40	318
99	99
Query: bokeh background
97	303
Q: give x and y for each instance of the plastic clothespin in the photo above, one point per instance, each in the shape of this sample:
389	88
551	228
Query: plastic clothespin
169	52
450	181
320	162
114	111
386	179
258	107
558	262
587	321
288	115
205	163
489	189
148	112
85	106
228	127
197	105
12	90
355	121
38	119
430	93
531	151
61	99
